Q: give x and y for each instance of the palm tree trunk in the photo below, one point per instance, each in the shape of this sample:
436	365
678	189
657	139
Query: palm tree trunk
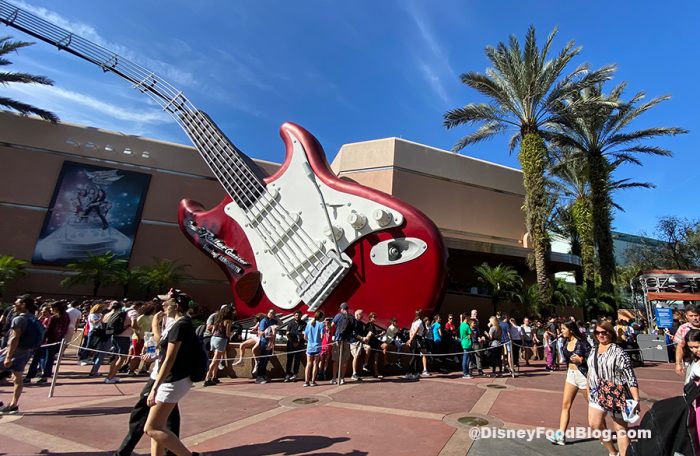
602	220
583	219
533	160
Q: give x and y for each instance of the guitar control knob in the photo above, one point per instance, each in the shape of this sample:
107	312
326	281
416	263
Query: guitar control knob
337	232
358	221
382	217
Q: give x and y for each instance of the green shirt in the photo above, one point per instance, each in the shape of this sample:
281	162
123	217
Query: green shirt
465	335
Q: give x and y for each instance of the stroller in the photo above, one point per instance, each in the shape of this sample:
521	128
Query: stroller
672	425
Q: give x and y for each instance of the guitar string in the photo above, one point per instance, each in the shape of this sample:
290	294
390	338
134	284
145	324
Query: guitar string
199	138
179	97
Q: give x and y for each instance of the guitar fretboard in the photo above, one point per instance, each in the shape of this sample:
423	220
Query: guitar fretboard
226	161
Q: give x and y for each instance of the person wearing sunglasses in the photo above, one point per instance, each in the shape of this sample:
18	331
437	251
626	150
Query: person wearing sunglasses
611	380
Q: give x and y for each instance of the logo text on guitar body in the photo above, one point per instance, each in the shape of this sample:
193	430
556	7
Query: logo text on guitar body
216	247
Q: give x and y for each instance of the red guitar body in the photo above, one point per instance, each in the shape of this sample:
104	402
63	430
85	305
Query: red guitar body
390	291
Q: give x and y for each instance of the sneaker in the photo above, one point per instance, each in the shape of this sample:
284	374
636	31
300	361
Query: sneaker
112	381
261	380
467	377
379	377
408	376
365	369
425	374
42	380
208	383
557	438
216	381
342	381
334	382
222	365
9	410
305	385
287	378
356	378
27	380
131	373
293	378
313	384
84	363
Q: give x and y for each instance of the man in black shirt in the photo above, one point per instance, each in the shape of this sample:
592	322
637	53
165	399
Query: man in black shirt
295	345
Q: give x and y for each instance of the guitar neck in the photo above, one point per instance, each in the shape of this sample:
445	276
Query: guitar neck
227	162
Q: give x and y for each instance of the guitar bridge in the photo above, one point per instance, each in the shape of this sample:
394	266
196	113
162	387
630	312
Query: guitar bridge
316	288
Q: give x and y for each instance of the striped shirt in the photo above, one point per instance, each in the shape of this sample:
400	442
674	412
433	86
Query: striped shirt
614	365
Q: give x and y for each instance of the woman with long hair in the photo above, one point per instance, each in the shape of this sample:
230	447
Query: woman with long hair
609	372
494	335
575	350
415	343
176	345
691	355
313	333
220	334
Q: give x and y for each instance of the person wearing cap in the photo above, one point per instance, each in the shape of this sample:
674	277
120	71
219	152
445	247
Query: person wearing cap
171	375
341	348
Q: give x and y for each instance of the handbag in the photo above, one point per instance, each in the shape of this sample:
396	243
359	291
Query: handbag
611	396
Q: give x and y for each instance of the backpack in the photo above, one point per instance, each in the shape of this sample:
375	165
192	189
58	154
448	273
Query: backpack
343	331
200	362
33	334
115	324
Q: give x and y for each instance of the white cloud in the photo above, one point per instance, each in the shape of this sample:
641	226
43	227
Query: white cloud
434	81
433	63
88	32
64	102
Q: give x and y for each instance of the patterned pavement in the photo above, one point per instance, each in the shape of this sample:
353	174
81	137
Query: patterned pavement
238	417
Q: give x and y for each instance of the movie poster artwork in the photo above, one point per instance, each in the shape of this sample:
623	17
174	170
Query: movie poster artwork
94	210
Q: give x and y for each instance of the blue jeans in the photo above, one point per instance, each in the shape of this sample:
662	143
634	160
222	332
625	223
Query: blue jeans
264	357
466	361
45	358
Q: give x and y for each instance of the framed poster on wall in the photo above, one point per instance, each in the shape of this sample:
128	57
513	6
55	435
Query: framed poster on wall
94	210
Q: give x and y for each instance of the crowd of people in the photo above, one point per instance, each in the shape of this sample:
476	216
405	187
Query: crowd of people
159	339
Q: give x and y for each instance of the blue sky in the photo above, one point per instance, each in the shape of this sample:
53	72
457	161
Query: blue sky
366	69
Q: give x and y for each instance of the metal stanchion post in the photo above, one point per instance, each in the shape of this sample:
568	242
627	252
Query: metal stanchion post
58	366
340	359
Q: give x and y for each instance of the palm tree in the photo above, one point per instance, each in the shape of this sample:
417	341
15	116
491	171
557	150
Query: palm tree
525	87
529	300
7	46
10	269
97	270
500	281
162	275
571	184
596	126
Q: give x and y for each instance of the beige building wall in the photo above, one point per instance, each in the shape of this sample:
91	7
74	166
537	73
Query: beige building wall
31	155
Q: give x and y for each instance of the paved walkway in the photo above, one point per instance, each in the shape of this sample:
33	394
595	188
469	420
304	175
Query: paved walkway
238	417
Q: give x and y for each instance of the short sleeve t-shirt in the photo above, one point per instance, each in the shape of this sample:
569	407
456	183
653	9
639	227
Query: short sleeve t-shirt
505	331
19	325
417	328
313	334
436	332
679	338
181	331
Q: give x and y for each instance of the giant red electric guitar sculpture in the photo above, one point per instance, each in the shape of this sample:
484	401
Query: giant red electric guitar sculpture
300	239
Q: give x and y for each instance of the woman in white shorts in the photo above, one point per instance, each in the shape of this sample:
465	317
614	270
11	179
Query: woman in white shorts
176	347
575	350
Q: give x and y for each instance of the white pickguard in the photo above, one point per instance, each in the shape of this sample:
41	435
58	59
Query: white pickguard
295	192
